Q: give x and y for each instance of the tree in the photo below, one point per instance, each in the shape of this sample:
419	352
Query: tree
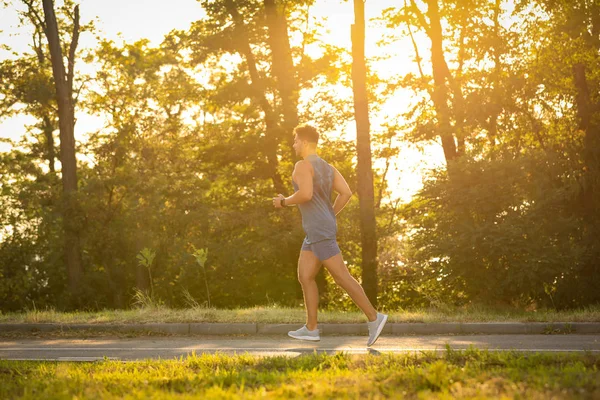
578	24
441	72
63	80
364	168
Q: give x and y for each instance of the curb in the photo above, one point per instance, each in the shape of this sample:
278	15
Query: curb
496	328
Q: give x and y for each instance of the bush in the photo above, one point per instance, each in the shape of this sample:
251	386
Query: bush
502	231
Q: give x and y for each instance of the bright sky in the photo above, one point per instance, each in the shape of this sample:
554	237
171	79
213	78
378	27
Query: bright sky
136	19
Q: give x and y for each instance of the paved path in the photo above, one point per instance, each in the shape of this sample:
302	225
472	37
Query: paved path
234	328
174	347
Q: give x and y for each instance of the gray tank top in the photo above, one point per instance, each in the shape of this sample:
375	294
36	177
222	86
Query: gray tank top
318	218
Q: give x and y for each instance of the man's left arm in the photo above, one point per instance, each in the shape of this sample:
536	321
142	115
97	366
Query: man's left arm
341	187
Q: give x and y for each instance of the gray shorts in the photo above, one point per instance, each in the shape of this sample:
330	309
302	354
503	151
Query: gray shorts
324	249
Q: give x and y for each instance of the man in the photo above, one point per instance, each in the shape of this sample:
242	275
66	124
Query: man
313	180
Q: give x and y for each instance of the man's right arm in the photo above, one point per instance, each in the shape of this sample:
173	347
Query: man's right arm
341	187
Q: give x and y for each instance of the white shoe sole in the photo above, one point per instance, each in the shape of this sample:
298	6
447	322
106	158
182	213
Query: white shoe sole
379	329
311	338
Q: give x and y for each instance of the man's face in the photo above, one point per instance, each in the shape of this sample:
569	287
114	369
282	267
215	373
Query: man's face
298	145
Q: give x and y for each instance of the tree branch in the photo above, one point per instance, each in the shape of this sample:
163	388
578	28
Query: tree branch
420	16
37	45
78	92
34	14
383	183
72	49
389	225
304	33
418	57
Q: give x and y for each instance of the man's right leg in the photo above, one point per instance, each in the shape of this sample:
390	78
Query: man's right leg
308	267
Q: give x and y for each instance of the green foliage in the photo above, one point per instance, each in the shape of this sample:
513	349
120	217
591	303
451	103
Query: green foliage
145	257
501	232
183	158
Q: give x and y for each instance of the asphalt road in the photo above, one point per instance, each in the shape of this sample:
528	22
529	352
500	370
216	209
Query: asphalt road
174	347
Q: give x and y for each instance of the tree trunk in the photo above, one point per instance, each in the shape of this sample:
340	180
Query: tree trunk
363	144
283	69
63	82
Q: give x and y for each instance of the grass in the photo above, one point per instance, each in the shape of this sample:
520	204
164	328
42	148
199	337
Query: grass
274	314
468	373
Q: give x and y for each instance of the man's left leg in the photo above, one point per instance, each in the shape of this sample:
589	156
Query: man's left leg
340	274
338	270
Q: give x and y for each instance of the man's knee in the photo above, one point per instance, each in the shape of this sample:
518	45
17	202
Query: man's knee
341	278
337	269
305	278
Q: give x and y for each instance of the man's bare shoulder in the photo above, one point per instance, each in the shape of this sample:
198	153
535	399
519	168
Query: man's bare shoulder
303	165
302	162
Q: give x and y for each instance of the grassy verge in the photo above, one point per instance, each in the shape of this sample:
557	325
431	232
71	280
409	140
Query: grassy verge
455	374
297	315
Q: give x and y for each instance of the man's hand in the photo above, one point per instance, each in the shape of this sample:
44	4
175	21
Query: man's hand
277	200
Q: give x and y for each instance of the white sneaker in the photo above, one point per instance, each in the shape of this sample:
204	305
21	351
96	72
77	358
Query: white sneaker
375	328
304	334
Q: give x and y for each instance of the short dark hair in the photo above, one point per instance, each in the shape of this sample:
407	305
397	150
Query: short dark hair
307	132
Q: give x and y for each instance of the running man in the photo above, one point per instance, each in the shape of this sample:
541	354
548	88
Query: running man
314	179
